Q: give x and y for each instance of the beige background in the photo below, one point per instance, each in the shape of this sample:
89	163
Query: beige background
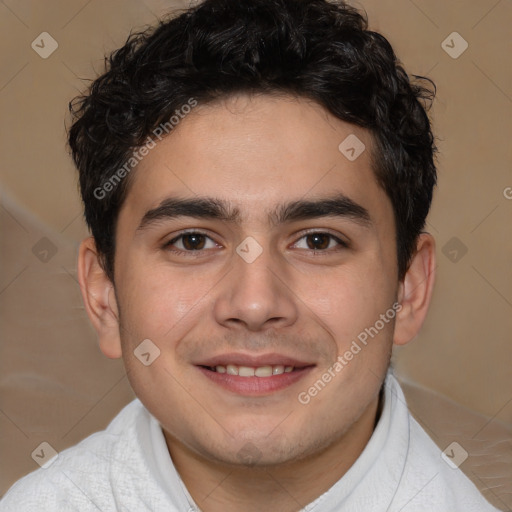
55	385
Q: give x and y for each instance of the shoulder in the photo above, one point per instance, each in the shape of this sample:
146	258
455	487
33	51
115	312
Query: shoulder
79	477
430	482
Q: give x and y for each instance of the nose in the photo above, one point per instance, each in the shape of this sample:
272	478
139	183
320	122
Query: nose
256	295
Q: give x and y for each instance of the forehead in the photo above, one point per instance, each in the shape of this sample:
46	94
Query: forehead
258	152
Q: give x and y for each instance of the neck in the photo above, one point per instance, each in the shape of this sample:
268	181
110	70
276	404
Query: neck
287	487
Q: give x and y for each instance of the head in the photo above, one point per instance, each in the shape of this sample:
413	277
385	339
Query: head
256	175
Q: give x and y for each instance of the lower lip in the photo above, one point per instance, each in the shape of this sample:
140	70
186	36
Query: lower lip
256	386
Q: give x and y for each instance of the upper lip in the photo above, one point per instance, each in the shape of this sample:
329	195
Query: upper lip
255	361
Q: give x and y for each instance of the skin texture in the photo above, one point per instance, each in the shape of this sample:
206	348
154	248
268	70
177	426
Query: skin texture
257	153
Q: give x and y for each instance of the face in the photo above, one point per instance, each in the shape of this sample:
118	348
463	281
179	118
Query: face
253	253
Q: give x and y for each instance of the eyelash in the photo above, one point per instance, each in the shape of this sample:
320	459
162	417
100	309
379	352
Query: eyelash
196	253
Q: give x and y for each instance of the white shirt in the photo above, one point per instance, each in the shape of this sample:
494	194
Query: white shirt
127	468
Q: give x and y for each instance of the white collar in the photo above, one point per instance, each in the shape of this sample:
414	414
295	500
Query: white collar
331	500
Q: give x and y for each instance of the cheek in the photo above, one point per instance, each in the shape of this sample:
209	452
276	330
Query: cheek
162	305
349	300
163	308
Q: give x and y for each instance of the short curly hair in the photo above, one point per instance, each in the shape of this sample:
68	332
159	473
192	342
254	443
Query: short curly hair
317	49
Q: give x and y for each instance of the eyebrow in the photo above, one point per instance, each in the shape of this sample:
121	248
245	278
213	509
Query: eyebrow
217	209
336	206
200	208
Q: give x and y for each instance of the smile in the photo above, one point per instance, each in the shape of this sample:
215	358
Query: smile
248	371
254	376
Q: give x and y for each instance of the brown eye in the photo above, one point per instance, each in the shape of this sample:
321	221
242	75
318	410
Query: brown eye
193	242
318	241
190	242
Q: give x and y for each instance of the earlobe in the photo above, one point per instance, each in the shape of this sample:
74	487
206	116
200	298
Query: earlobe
99	298
415	291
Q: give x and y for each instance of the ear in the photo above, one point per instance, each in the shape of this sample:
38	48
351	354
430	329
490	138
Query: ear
415	291
99	299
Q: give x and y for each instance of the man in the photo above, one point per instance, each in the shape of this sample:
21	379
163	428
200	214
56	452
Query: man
256	177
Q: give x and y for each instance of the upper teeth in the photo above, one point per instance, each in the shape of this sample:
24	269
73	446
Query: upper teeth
248	371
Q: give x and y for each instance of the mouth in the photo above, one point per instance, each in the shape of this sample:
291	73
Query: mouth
249	371
254	376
